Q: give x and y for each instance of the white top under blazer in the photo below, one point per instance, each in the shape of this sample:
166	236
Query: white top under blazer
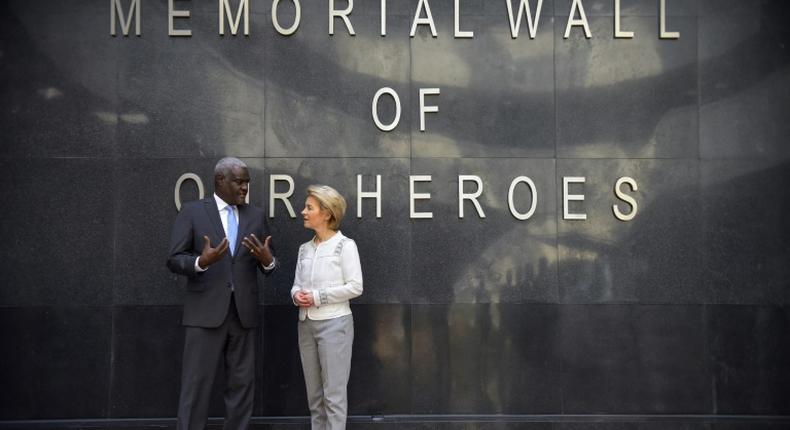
331	271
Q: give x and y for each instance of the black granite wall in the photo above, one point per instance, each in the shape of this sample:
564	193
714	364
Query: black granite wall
677	319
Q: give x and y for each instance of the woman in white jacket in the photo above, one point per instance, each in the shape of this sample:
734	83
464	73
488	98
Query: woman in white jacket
328	275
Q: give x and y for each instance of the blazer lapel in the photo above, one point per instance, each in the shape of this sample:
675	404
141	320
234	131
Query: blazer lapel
213	215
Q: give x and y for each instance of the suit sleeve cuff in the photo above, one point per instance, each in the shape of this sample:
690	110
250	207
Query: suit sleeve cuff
320	297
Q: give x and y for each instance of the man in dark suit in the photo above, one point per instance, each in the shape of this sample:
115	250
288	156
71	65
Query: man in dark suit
221	304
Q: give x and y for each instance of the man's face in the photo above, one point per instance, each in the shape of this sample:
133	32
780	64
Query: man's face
233	188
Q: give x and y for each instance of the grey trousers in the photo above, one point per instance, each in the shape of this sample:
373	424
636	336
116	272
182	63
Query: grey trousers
325	348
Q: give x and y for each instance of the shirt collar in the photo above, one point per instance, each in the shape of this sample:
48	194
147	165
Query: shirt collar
221	204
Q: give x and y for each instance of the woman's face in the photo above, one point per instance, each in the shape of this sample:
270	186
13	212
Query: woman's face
313	216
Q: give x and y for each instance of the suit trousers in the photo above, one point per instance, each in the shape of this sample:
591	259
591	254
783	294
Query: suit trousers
204	349
325	349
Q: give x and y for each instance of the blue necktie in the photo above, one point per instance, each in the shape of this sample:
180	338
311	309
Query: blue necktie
233	229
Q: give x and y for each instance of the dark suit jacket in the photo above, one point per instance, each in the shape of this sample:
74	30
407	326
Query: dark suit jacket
208	293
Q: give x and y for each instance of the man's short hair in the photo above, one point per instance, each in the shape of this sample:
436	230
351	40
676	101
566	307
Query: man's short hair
226	165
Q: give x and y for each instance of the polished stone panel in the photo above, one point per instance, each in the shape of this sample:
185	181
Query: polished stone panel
57	232
499	259
654	258
444	9
749	350
201	96
497	93
627	97
56	362
499	8
144	218
361	424
744	79
750	426
383	243
320	89
709	8
149	338
634	359
381	373
58	92
746	239
469	425
629	8
486	359
633	425
281	391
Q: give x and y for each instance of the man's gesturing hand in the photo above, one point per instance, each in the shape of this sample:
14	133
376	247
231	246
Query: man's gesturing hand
259	250
211	255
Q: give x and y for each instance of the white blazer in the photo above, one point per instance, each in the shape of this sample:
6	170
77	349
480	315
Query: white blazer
331	271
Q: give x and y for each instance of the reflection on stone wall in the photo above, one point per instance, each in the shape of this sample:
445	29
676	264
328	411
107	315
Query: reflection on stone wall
682	311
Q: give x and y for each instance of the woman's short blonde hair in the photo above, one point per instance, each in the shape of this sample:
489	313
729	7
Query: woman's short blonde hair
331	201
